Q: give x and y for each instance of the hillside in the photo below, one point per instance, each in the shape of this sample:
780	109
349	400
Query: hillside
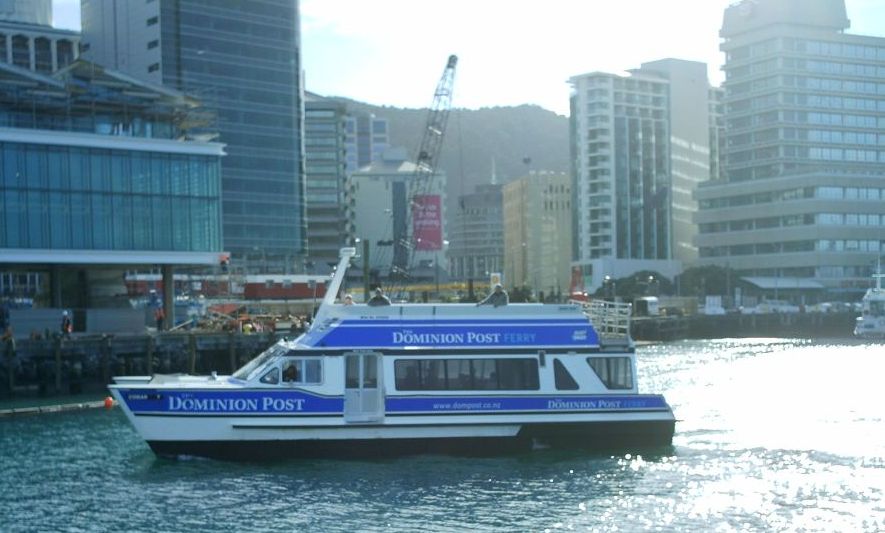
510	135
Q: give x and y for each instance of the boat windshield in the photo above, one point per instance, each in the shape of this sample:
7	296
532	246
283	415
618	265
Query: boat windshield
246	371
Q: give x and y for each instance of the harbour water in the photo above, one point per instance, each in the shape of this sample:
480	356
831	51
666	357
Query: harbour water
774	435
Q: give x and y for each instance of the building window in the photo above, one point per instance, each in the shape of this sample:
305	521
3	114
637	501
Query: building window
153	20
154	67
153	44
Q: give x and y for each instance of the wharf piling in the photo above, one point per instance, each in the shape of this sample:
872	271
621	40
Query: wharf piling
61	366
784	325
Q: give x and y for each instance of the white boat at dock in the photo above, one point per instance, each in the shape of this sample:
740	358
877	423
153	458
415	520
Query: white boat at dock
412	378
871	323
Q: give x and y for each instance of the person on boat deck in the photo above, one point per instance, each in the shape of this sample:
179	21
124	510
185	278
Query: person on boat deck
290	373
497	298
348	299
379	298
66	325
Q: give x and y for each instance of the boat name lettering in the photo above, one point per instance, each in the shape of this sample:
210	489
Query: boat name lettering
282	404
235	404
471	337
519	338
583	404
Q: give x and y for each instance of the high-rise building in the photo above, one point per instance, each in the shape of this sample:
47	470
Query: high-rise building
802	201
242	59
327	228
367	138
537	213
477	235
640	146
28	40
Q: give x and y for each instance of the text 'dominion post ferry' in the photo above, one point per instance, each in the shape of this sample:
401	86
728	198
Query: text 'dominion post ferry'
413	378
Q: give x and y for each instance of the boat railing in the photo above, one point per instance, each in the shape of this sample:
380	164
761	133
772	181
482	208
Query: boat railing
611	320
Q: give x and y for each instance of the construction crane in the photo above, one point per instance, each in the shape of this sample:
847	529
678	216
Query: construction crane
426	162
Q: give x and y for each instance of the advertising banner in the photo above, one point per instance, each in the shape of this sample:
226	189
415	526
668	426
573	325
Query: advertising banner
427	222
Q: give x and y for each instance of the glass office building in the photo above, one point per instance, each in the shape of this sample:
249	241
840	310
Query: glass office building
242	60
92	161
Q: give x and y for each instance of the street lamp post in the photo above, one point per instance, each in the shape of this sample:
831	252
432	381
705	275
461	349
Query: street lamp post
608	288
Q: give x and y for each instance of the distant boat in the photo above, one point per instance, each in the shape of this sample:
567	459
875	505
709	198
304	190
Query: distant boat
871	323
413	378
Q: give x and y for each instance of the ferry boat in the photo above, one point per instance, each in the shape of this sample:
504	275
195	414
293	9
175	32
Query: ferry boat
413	378
871	323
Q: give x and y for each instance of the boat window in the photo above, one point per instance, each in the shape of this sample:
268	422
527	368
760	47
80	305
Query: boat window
485	377
370	373
516	374
302	371
313	371
433	375
614	372
562	377
467	374
458	373
271	377
352	373
408	374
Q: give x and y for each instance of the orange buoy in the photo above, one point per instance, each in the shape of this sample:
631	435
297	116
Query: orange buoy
108	402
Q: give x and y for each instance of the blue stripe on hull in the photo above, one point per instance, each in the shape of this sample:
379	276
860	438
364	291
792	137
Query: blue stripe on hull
230	402
281	402
599	436
546	403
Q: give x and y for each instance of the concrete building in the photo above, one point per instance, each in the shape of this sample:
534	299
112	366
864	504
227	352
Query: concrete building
803	196
28	40
242	59
367	138
640	147
537	213
381	203
477	235
327	227
99	174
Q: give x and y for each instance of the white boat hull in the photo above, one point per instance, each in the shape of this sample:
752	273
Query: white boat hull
272	437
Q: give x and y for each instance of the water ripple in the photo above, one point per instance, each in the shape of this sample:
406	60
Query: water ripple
774	435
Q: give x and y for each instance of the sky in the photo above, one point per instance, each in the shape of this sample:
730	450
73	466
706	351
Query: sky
510	52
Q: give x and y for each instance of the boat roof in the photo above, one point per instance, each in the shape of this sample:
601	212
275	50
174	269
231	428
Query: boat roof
429	326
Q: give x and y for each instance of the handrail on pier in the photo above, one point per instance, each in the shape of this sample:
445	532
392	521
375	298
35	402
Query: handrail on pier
611	320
